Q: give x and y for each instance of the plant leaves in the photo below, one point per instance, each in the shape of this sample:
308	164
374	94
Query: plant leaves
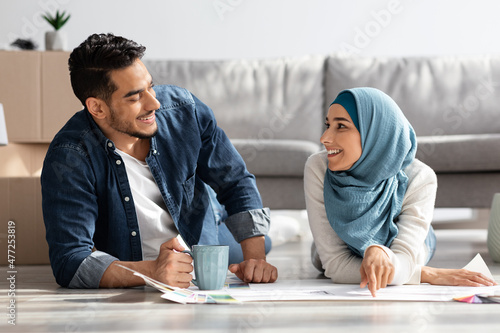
58	20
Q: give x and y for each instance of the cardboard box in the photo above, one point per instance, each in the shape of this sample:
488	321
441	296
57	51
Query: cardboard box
20	94
22	159
59	102
21	203
36	93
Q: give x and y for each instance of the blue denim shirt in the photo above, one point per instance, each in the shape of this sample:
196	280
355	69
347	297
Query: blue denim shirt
88	207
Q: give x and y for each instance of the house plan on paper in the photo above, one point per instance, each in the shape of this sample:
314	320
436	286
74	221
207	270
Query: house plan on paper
325	290
321	290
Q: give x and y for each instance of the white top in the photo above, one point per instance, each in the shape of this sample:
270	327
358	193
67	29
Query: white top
407	252
155	223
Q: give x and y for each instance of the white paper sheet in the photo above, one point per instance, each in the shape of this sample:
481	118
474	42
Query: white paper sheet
324	289
477	264
320	290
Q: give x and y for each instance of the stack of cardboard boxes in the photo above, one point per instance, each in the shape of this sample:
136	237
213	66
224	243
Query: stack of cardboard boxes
37	98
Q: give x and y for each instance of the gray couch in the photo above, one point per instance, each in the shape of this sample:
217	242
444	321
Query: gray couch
273	110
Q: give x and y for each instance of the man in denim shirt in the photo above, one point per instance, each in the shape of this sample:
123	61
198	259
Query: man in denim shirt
137	166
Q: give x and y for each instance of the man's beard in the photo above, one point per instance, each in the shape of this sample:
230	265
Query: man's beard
126	128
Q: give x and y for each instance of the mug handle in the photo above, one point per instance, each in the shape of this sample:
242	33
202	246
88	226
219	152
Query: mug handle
191	254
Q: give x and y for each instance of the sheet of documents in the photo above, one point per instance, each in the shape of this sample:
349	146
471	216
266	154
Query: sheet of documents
477	264
321	290
324	289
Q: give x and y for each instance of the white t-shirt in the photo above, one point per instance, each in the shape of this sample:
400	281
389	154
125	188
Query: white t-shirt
155	223
407	251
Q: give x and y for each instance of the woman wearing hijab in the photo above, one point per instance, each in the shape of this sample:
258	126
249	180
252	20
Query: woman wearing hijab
370	202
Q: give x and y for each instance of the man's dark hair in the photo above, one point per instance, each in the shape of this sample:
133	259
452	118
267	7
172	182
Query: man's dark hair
91	63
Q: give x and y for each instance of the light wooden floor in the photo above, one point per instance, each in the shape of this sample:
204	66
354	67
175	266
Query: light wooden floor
42	306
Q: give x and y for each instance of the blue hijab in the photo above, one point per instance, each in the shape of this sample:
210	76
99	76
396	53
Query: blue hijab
363	202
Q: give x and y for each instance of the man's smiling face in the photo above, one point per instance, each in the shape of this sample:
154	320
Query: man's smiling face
132	106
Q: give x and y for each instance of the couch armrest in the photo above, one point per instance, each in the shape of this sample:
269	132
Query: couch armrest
460	153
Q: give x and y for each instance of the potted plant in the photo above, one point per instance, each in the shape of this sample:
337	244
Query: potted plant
56	40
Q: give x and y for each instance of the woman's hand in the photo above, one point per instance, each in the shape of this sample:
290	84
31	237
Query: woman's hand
454	277
376	269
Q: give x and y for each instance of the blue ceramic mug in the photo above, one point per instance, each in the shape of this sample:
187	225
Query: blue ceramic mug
210	265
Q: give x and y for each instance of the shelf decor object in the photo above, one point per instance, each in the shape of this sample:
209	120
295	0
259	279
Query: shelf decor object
56	40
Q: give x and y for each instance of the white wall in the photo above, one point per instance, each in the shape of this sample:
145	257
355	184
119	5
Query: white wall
223	29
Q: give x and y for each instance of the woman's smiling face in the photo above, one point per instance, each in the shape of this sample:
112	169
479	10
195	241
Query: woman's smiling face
341	139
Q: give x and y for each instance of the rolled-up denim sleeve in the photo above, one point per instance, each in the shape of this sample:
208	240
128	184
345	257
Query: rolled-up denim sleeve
91	270
248	224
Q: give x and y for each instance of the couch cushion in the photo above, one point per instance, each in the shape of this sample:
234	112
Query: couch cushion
258	99
276	157
460	153
438	95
